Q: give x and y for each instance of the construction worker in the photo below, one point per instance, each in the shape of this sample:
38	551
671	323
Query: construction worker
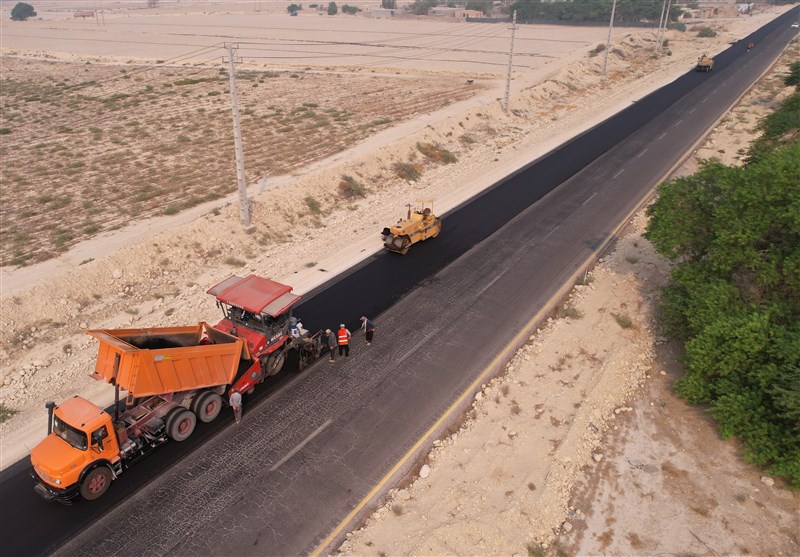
368	327
343	338
332	344
236	403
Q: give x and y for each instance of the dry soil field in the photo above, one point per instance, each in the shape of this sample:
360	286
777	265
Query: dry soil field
136	141
153	270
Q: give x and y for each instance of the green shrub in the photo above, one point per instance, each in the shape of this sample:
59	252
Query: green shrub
624	320
408	171
436	153
793	79
234	262
6	413
350	187
195	81
706	32
313	205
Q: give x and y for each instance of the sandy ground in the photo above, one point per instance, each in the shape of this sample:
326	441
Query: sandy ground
506	483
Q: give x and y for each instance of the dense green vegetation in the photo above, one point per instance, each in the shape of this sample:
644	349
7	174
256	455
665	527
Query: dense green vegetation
421	7
734	294
592	10
22	11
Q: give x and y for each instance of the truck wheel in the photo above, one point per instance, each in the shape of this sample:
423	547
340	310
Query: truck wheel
96	483
182	424
208	407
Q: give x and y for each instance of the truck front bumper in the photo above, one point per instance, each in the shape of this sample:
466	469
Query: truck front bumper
50	493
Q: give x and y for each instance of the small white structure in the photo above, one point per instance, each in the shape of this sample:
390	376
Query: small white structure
455	13
382	13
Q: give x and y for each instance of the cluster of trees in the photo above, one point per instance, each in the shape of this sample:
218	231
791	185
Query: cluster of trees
421	7
333	9
734	293
592	10
22	11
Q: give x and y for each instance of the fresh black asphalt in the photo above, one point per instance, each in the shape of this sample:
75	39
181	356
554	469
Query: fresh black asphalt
313	445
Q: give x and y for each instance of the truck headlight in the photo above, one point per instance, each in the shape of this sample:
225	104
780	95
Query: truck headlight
47	477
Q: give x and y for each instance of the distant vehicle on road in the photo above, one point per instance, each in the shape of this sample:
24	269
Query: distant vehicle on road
796	25
705	63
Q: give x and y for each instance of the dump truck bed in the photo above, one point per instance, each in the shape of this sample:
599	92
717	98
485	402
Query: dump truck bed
166	359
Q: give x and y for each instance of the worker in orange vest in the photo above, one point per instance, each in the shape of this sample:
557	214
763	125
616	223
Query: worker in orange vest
343	336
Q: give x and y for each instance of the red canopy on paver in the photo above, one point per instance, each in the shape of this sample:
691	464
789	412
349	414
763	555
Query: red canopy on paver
255	294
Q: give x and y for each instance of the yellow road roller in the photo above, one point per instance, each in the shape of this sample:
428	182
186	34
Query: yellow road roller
420	224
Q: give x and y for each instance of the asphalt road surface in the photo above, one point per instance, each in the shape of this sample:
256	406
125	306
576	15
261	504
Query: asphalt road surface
312	446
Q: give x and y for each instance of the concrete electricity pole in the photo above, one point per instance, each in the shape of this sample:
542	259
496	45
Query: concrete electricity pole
510	58
660	23
608	42
244	202
666	25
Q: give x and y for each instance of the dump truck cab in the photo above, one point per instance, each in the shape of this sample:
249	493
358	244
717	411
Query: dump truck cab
258	311
79	454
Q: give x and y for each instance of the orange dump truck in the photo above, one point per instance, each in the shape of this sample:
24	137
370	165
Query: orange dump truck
172	376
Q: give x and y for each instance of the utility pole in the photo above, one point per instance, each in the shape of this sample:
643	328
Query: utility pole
244	202
510	58
660	23
608	42
666	25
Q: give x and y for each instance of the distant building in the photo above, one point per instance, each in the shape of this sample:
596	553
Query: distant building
456	13
382	13
717	8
